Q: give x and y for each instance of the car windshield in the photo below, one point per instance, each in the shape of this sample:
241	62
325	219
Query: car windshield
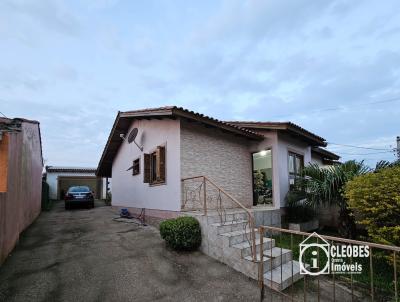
79	189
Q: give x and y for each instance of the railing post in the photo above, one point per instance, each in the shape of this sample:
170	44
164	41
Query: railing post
254	238
395	276
261	264
205	195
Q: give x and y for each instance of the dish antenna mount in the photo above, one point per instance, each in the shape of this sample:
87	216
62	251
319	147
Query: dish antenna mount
132	136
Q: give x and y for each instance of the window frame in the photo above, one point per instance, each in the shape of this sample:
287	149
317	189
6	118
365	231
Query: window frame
136	167
155	173
297	171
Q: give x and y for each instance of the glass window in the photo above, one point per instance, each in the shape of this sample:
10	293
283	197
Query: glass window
296	164
262	177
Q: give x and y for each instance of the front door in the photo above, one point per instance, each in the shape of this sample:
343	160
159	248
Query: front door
262	177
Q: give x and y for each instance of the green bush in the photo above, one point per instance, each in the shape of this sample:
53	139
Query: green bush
298	210
375	200
182	233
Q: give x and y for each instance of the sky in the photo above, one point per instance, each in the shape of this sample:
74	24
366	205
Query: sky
332	67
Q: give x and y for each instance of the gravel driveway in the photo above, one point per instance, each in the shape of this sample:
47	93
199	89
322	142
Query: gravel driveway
83	255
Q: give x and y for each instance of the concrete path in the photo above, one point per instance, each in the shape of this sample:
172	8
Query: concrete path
83	255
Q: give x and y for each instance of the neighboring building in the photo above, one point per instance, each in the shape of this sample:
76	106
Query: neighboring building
60	179
21	166
323	157
255	162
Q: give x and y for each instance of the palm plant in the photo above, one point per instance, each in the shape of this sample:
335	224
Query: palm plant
325	185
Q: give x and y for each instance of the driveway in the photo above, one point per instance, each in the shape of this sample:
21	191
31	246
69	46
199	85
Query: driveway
83	255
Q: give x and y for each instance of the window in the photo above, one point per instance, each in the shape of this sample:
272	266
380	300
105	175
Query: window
154	166
296	164
136	167
262	177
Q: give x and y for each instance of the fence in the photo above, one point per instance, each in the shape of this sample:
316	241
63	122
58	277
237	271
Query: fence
377	281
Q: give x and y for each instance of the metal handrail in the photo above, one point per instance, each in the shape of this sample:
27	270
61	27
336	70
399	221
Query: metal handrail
248	212
393	249
338	239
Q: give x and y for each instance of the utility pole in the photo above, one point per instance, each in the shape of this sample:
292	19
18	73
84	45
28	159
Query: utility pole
398	147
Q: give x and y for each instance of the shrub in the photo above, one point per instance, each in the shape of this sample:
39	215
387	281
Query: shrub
375	200
182	233
297	208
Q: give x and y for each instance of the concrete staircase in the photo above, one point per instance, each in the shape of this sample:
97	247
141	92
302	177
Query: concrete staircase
228	242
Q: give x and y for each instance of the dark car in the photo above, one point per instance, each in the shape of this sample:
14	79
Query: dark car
79	196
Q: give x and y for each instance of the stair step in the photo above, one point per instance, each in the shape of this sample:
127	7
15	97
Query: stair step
236	237
229	222
279	281
245	246
277	257
229	216
235	233
230	226
276	252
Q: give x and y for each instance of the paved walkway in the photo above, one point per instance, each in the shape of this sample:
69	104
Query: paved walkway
83	255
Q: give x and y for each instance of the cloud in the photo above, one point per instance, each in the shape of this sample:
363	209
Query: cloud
51	15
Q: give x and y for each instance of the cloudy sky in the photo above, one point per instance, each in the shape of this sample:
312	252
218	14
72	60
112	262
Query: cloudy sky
331	66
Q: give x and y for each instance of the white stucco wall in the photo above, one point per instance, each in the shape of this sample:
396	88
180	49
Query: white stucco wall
131	191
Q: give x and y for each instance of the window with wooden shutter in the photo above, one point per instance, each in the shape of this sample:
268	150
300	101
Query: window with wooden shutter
161	153
146	168
136	167
154	166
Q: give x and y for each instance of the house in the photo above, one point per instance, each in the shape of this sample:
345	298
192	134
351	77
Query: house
21	165
230	176
61	178
254	162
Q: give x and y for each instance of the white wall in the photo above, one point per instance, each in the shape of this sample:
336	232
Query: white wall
131	191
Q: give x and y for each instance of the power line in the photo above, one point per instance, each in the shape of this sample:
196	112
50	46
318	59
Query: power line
386	152
360	147
3	114
396	99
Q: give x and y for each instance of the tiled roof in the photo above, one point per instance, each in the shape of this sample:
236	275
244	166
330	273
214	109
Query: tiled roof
70	169
244	129
124	120
175	110
287	126
325	153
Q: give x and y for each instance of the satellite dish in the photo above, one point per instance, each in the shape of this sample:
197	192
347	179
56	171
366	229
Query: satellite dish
132	135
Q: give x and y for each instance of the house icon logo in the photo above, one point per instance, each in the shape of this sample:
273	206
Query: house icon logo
311	251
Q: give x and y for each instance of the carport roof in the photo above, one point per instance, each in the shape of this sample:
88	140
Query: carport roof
53	169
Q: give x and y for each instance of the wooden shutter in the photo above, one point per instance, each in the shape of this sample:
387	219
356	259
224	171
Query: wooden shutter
146	168
161	161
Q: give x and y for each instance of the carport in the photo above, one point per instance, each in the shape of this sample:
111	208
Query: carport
61	178
65	182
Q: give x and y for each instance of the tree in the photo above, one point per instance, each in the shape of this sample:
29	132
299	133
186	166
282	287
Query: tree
375	198
325	185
